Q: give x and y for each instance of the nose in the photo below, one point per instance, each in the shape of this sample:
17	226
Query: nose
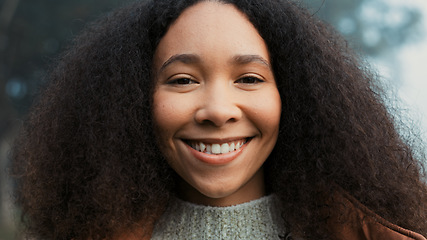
219	105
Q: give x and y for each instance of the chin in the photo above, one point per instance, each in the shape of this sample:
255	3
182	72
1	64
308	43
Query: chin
216	191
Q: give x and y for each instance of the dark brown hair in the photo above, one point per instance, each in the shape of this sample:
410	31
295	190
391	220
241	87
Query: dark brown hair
87	165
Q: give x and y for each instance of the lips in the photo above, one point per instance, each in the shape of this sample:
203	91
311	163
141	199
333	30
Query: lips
217	148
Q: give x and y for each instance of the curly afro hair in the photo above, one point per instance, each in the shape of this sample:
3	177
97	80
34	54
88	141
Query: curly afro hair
87	167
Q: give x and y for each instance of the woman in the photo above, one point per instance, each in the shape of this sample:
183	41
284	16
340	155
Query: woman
167	107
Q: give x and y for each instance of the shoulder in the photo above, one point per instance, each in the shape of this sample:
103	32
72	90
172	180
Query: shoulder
362	223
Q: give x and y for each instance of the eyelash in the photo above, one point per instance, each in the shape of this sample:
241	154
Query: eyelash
252	80
180	81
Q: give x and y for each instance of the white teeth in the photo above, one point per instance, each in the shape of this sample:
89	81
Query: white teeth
217	148
224	148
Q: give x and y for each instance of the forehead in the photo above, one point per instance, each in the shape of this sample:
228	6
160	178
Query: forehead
211	27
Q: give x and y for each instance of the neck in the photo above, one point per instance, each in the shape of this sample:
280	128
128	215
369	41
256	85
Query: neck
253	189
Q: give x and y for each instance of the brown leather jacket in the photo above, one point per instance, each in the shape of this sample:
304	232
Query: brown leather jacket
369	225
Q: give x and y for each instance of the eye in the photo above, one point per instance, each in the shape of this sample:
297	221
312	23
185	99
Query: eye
181	81
249	80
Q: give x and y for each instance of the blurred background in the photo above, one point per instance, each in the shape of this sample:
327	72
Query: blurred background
390	34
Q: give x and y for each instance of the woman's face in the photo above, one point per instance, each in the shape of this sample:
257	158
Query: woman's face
216	104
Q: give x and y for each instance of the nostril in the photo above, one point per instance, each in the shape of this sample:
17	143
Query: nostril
218	115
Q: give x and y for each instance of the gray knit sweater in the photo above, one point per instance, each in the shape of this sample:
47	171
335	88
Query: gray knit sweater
258	219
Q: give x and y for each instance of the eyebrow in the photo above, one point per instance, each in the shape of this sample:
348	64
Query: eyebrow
193	58
184	58
245	59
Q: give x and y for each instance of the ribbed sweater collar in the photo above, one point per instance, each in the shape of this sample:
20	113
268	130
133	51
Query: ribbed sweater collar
258	219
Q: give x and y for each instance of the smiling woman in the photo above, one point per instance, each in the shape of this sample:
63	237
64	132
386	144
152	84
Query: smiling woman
177	119
214	70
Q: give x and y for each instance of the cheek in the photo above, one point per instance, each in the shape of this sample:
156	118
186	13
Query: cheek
162	113
267	111
164	118
170	114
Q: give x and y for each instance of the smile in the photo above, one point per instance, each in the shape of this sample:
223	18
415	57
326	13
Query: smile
217	148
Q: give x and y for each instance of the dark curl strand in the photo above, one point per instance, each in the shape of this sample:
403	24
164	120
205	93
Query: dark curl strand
87	165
